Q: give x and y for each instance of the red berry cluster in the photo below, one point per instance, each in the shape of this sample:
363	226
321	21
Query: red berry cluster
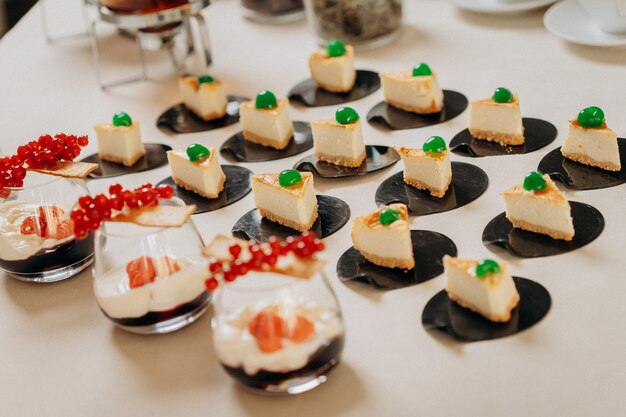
262	256
92	211
42	153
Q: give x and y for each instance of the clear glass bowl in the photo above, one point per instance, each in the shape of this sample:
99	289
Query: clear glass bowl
149	279
36	235
278	334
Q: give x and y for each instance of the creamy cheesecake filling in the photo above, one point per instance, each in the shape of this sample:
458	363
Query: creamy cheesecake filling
120	144
207	100
118	300
337	143
594	146
205	177
388	246
435	173
271	125
548	216
335	74
15	246
417	94
493	297
497	122
296	209
236	347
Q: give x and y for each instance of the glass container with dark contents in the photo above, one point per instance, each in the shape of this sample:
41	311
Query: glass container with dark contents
37	240
273	11
141	6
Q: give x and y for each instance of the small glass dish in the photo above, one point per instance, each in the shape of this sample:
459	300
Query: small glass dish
37	241
278	334
150	280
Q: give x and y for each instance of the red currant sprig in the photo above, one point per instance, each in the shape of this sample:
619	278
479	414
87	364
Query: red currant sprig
261	257
42	153
92	211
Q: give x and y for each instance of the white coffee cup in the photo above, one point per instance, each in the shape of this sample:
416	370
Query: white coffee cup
610	15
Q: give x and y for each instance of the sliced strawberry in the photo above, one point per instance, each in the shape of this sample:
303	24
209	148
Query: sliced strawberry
303	330
267	328
30	226
166	266
52	216
63	230
140	271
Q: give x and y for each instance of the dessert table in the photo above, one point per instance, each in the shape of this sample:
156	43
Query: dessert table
59	356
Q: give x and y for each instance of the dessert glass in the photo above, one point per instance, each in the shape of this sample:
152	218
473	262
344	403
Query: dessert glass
37	243
362	23
150	280
273	11
298	331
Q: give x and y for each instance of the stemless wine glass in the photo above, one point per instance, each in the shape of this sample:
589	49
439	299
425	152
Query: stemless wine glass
150	279
278	334
37	241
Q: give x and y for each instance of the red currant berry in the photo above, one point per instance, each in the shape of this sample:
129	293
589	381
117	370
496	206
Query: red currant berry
19	173
116	203
115	189
85	201
234	250
101	201
215	266
83	141
44	140
165	192
211	284
229	276
77	215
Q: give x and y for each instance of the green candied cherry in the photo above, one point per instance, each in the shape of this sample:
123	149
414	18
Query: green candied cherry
266	100
434	144
486	267
422	70
197	152
335	48
289	178
388	216
502	95
591	117
346	116
534	181
122	119
205	79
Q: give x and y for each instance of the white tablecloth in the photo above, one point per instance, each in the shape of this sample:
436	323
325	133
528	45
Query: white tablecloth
59	356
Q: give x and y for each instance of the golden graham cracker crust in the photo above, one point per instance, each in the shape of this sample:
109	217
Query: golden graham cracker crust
386	262
182	184
270	143
501	138
432	108
586	160
501	318
289	223
554	234
130	161
344	161
435	192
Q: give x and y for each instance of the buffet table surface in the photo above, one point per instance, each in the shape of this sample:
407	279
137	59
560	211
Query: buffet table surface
59	356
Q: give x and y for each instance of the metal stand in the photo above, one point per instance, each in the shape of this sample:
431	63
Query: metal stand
85	4
169	30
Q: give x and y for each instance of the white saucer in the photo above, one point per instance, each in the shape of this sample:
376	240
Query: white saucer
568	20
499	6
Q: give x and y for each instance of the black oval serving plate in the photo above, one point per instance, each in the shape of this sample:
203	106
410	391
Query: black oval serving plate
468	183
377	157
537	134
588	224
392	118
180	119
155	157
238	149
582	177
309	94
333	215
236	187
445	315
428	250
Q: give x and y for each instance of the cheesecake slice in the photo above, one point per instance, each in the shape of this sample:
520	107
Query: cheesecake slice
340	141
332	69
204	96
497	119
383	237
120	140
538	206
266	121
414	91
197	169
287	198
484	287
428	168
591	142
